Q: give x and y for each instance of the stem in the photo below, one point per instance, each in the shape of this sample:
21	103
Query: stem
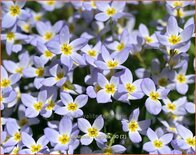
111	140
141	60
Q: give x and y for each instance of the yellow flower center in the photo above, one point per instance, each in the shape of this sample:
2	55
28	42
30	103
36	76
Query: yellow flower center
158	144
67	86
19	70
93	4
111	11
26	28
179	13
72	106
59	76
50	105
14	10
15	150
38	106
148	39
1	98
66	49
92	132
171	106
37	17
48	35
162	81
120	47
112	64
108	151
92	53
154	96
64	139
181	78
48	54
174	39
5	83
173	116
23	121
133	126
177	4
35	148
172	129
130	87
110	88
52	2
39	71
191	141
10	36
17	136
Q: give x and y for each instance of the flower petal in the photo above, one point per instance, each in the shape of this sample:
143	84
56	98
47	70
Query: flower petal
135	137
65	126
86	140
98	123
27	140
149	147
66	98
51	134
151	134
83	125
147	86
81	100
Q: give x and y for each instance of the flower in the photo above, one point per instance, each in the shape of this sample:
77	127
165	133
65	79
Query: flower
173	37
110	62
12	67
111	149
10	37
38	71
50	103
8	81
118	46
23	120
148	39
153	105
34	105
107	88
67	50
91	131
46	32
50	5
15	133
72	107
133	126
7	97
182	80
158	144
58	76
32	146
62	138
131	90
92	53
187	141
113	10
175	107
46	54
13	12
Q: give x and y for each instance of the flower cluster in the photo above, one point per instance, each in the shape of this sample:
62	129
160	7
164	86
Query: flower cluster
63	61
